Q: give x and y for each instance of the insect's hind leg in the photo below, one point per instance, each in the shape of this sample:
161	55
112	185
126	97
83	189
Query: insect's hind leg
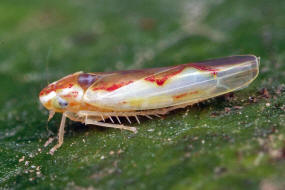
94	122
60	135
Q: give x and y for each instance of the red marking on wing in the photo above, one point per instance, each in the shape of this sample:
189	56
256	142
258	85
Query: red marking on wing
185	94
180	95
113	87
205	68
163	77
160	79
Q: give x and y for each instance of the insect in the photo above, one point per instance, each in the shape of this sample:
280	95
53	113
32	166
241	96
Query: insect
93	98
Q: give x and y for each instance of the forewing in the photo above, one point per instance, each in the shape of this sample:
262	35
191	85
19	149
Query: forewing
169	86
112	90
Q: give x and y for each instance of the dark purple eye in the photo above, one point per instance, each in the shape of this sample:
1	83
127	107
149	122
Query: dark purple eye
62	102
85	79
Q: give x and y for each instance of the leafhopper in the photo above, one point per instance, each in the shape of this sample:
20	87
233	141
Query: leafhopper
103	98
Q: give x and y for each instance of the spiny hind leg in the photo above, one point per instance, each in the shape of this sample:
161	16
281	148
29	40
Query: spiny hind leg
94	122
60	135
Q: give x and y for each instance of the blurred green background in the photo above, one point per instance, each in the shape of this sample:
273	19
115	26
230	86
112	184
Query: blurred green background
231	142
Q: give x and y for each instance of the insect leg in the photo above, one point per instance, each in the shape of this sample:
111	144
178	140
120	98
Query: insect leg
128	119
94	122
148	116
118	119
137	119
111	119
51	114
102	117
60	135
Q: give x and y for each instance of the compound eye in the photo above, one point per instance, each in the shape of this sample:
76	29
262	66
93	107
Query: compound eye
62	103
85	79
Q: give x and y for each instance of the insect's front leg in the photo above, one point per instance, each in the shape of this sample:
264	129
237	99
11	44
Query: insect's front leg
60	134
94	122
